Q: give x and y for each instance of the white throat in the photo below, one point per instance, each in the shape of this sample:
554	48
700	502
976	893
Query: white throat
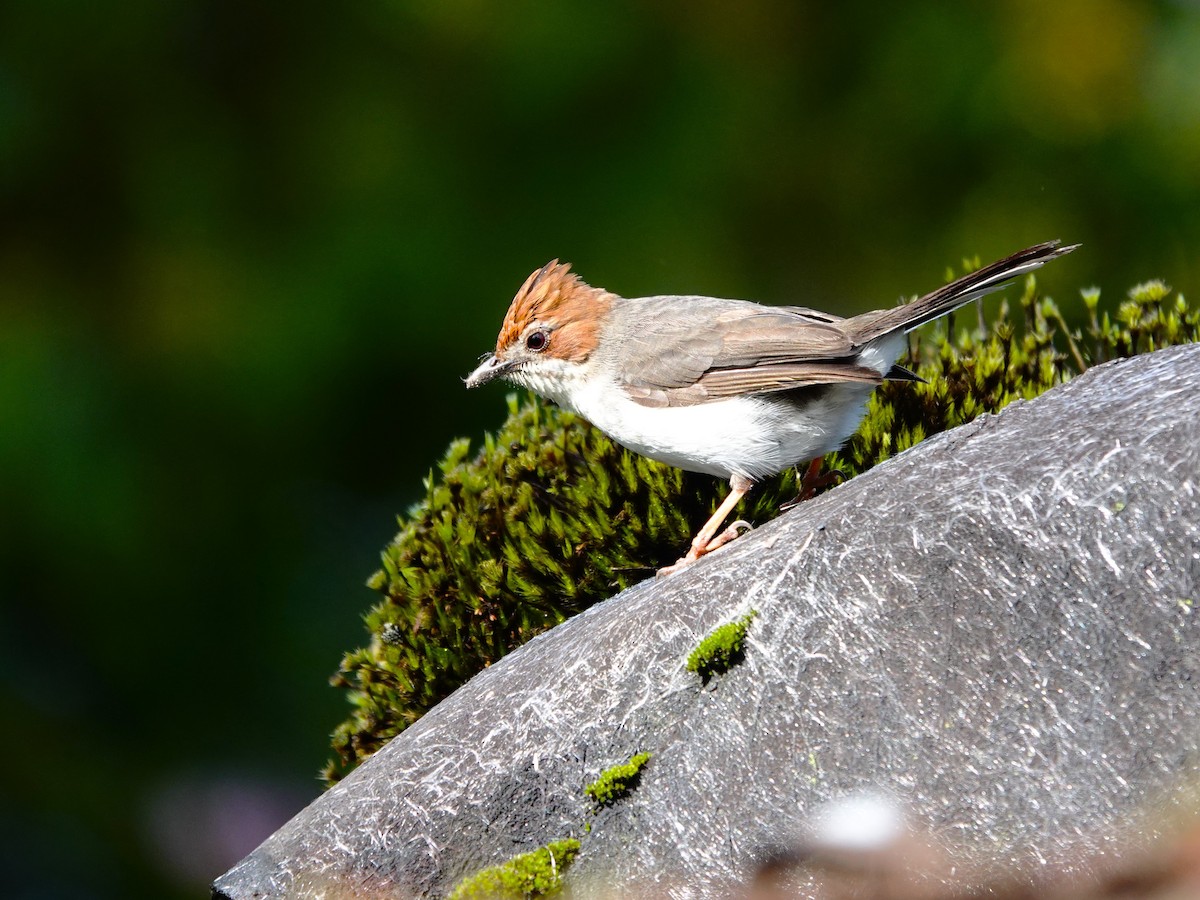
557	380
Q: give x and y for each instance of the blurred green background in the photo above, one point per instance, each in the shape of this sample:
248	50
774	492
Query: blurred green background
247	250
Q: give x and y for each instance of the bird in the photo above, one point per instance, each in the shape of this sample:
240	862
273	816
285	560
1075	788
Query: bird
724	387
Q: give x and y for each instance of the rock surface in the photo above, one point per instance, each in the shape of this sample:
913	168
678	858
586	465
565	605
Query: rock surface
996	628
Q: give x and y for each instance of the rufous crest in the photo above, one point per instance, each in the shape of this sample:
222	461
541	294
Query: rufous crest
571	310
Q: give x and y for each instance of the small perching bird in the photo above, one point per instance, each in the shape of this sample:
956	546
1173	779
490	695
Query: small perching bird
725	387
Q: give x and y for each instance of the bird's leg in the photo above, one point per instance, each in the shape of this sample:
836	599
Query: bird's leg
704	541
813	481
735	529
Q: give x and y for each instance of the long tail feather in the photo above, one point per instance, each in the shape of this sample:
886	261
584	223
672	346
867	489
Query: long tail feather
946	299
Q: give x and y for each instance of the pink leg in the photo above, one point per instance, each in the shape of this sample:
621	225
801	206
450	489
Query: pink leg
704	542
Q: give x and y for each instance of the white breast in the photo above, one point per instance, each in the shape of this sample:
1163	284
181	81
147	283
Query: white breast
754	436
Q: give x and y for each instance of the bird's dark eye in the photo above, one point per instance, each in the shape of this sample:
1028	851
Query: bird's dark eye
536	341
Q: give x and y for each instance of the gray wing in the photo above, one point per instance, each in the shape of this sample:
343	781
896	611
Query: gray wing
745	348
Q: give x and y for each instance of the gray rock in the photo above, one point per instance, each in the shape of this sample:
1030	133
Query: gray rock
997	628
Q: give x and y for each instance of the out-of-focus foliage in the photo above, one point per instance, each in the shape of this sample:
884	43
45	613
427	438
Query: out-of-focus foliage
248	249
550	516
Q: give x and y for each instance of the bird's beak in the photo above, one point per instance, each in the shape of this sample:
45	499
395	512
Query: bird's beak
490	369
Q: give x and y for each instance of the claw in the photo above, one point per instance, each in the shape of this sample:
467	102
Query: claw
674	567
813	481
734	530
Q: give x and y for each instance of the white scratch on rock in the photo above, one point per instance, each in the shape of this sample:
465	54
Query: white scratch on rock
1107	556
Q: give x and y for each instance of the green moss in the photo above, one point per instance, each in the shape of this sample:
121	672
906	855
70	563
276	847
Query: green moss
548	516
615	783
536	874
721	648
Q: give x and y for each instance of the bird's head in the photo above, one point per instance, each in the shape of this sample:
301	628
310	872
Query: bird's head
551	329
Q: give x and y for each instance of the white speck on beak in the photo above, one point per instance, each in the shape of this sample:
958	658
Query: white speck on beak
488	370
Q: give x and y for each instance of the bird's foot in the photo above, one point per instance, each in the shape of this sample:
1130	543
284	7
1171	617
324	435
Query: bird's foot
703	549
734	530
812	481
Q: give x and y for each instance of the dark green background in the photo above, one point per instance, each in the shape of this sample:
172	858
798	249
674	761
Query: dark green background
248	250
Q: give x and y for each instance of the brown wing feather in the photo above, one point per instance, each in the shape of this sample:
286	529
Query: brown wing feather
718	384
783	377
667	361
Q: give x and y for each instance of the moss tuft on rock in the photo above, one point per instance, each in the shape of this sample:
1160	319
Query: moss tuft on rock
548	516
615	783
536	874
722	648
